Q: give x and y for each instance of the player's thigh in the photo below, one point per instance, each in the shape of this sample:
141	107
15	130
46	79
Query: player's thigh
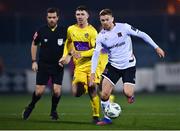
129	75
97	76
112	74
80	76
128	79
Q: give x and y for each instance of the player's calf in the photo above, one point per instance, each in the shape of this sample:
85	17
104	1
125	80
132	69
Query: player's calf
129	93
92	91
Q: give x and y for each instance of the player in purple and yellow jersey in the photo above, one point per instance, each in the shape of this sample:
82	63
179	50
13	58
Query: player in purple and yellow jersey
80	45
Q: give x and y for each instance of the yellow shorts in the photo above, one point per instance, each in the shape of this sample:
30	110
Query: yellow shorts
84	76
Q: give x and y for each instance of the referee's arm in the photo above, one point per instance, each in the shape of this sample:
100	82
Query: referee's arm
33	56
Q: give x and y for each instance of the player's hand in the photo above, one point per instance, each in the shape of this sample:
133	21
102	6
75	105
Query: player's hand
34	66
64	60
92	79
160	52
77	55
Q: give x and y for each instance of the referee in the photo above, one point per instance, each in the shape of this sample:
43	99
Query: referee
49	38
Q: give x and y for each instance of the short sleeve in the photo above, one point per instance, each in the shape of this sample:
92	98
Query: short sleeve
36	38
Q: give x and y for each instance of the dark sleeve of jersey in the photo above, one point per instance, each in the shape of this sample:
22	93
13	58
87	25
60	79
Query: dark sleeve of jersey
36	37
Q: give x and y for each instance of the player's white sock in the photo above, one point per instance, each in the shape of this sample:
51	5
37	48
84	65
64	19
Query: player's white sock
104	104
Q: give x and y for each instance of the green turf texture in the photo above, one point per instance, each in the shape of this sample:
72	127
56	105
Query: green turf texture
160	111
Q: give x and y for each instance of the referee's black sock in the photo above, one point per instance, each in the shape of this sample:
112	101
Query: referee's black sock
34	100
55	101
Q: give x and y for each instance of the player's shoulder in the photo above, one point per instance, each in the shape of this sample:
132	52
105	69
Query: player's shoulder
101	35
72	27
91	27
122	25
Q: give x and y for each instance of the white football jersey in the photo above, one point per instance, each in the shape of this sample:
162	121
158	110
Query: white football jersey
118	44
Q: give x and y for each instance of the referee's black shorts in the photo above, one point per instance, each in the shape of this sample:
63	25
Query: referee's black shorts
45	71
113	74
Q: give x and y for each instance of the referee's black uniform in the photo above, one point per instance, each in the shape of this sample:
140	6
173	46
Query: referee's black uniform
51	45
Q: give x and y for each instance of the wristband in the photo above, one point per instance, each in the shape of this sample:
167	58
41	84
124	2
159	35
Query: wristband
33	61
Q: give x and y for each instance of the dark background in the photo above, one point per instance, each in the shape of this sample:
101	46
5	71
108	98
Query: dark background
158	18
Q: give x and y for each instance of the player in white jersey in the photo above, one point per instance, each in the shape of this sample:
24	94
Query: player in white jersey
115	38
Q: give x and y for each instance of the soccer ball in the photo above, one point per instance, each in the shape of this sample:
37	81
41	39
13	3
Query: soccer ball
113	110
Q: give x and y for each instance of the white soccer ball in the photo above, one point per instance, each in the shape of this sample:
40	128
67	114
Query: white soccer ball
113	110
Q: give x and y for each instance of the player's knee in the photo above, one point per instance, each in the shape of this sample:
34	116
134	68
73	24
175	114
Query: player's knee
80	89
39	91
57	91
105	95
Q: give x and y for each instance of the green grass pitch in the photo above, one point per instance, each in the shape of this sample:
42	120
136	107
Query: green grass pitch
149	112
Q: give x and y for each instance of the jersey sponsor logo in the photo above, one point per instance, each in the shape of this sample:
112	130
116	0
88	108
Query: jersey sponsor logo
86	35
60	42
35	35
116	45
119	34
81	46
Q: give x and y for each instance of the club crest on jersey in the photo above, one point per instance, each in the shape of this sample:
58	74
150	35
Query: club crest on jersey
86	35
45	40
60	42
119	34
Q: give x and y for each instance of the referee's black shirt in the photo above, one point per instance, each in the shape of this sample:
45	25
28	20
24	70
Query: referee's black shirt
51	44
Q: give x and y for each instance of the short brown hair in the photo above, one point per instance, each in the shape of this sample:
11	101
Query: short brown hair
53	10
105	12
81	8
